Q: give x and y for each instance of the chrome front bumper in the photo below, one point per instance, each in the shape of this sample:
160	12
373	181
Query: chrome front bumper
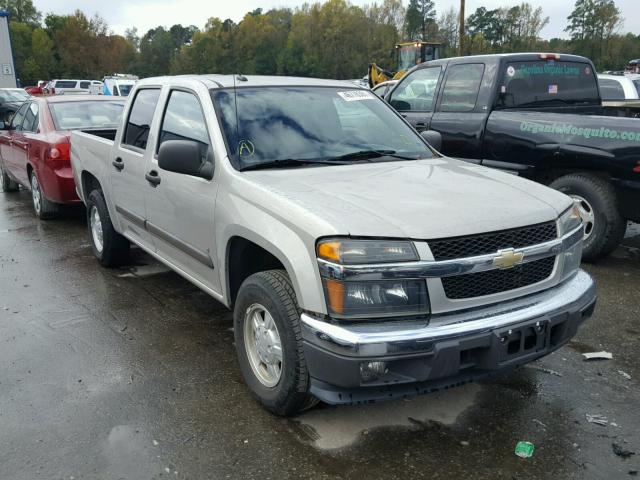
396	338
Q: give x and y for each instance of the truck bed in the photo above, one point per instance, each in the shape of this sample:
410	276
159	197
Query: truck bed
90	153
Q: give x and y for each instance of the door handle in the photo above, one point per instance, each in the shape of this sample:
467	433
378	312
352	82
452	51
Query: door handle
153	178
118	163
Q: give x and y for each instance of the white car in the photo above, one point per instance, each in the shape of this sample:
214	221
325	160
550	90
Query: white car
70	86
619	87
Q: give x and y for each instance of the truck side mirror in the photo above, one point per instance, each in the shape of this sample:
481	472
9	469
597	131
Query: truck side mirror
185	156
433	138
399	105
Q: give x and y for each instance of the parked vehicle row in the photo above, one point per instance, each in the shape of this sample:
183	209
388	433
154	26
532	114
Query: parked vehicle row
35	148
539	116
360	264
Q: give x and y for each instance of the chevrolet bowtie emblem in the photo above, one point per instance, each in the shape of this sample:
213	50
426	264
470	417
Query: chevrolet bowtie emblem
507	258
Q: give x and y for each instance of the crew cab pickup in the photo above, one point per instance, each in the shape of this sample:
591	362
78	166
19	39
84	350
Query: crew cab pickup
539	116
360	264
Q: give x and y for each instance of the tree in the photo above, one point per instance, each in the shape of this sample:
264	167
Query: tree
591	25
22	11
420	19
448	28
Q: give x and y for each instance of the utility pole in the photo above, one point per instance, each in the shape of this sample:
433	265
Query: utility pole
461	32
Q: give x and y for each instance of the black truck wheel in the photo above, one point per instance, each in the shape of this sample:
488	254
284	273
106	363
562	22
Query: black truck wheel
8	185
110	248
596	200
268	338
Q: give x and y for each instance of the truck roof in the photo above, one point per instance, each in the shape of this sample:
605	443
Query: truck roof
224	81
514	57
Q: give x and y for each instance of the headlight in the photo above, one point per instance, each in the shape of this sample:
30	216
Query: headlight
376	299
569	220
353	252
353	299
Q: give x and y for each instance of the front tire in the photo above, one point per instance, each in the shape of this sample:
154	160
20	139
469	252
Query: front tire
8	185
597	203
109	247
43	208
269	343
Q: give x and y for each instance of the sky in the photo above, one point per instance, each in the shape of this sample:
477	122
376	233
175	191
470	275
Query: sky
146	14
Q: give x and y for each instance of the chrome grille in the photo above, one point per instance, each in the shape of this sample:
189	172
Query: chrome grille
495	281
485	243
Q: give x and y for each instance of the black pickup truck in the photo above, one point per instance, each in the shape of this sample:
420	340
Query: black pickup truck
539	116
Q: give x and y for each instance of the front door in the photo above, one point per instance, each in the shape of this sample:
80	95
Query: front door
415	96
7	149
180	207
128	167
21	143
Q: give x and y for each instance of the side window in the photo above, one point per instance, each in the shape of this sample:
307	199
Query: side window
85	85
115	90
30	123
139	122
184	120
461	87
611	89
18	118
417	91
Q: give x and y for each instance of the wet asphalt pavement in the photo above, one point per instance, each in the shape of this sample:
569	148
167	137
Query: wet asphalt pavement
131	374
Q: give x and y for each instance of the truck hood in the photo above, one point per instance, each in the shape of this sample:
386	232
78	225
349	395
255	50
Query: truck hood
420	199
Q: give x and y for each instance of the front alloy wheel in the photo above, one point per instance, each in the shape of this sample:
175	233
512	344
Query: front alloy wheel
586	213
263	345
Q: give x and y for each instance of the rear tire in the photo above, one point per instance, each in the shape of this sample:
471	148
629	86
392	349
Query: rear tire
109	247
8	185
286	392
596	199
43	208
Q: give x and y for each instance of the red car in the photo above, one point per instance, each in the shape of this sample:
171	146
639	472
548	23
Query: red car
35	148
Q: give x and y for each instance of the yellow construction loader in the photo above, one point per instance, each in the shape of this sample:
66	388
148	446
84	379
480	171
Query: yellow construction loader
408	54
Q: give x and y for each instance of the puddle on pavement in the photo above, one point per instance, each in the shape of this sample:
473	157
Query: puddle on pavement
338	427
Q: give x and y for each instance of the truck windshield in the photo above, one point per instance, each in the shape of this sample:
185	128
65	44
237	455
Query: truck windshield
547	82
311	125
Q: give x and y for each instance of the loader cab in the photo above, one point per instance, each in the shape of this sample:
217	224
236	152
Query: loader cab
410	54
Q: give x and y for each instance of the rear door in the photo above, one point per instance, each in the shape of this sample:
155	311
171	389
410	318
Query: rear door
460	116
128	168
415	96
180	208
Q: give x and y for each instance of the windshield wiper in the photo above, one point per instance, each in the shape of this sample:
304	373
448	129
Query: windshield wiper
284	163
366	155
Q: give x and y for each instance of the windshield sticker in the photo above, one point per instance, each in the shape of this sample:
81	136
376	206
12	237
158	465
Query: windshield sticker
245	148
356	95
548	69
587	71
503	89
511	71
553	89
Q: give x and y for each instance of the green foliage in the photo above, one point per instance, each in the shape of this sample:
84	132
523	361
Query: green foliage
420	16
21	11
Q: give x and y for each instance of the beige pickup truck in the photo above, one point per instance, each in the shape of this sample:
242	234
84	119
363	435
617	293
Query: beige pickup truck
360	264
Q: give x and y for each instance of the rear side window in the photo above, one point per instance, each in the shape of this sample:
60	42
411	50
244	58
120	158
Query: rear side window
611	89
184	120
140	117
547	82
461	87
417	91
66	84
30	123
85	85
